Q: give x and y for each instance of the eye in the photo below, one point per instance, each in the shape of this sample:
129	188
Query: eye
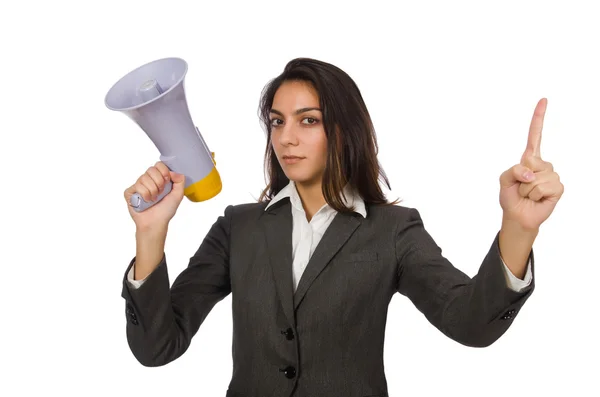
311	120
274	122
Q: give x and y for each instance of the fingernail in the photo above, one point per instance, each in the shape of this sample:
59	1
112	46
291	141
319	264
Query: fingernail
528	175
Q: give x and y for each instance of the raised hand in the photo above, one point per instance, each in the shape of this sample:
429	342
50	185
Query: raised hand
530	190
150	185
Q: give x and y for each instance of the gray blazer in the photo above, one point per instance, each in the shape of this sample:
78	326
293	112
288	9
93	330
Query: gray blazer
327	338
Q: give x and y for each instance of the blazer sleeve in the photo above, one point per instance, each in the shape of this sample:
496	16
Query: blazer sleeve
472	311
162	320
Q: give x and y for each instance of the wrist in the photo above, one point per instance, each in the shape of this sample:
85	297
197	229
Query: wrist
150	248
515	228
155	230
515	244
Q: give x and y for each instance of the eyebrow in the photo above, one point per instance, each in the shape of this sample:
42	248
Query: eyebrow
302	110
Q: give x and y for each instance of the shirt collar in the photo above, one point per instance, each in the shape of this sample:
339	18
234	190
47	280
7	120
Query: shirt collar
352	198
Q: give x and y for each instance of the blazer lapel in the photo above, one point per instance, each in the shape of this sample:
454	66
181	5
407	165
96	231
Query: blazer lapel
277	225
336	235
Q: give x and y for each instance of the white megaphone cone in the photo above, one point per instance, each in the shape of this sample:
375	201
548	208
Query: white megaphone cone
153	96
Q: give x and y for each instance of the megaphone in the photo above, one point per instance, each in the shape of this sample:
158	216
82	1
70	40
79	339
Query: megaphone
153	96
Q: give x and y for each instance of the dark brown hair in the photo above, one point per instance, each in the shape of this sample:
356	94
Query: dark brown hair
351	140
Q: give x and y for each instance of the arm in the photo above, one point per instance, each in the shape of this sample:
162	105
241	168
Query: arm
150	246
472	311
162	320
515	245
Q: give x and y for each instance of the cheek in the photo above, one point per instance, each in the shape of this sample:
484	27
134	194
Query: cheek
274	144
321	148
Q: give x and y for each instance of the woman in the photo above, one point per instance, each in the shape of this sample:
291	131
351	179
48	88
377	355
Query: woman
314	264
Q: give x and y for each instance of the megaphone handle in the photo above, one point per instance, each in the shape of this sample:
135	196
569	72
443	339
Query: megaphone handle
139	204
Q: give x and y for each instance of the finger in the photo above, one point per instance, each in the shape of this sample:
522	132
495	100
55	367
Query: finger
177	178
129	191
536	164
141	188
547	190
150	184
534	140
515	174
164	170
157	176
543	177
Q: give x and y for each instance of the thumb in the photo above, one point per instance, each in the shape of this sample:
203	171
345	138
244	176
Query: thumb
178	179
515	174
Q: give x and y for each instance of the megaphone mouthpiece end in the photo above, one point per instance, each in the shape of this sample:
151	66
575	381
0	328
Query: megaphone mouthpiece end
150	89
151	84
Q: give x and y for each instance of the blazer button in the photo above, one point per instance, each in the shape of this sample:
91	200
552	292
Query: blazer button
289	333
131	314
289	372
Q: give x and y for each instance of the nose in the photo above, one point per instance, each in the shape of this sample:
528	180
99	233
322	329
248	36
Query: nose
287	135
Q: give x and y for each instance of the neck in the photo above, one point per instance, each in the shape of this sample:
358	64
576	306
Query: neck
312	198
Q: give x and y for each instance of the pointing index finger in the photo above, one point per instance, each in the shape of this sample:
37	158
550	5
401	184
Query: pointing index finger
534	141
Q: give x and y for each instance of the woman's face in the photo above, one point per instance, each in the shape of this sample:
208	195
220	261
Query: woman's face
297	132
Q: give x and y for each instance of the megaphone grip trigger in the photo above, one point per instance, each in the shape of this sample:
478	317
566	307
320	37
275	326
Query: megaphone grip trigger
139	204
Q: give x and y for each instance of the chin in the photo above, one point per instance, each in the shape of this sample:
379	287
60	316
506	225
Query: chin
296	177
300	173
301	177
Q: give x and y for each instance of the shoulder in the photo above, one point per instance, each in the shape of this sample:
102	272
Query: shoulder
394	218
392	213
248	208
245	211
236	216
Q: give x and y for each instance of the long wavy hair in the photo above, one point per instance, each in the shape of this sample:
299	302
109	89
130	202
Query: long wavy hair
351	141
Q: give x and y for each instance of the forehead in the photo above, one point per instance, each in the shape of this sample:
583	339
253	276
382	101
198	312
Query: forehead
292	95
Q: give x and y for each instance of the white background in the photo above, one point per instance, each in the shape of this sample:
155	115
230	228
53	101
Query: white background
451	87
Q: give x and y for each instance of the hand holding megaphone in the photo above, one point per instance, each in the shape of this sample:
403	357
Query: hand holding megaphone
151	187
153	96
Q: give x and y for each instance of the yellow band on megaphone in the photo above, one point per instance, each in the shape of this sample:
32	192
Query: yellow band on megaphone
206	188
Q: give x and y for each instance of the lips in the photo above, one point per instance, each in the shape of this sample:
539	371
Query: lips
291	159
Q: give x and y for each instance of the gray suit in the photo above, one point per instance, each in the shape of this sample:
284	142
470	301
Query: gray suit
326	339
